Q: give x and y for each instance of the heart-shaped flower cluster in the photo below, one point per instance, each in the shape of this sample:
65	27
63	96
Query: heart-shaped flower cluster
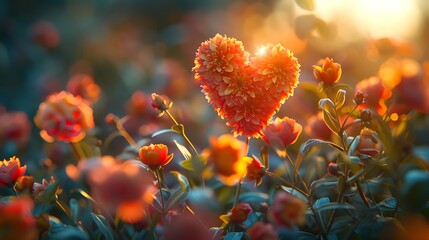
245	90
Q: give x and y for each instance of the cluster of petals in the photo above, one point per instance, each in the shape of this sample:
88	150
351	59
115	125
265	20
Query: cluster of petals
64	117
246	91
227	155
84	86
14	127
16	219
122	189
317	128
287	210
11	170
155	155
282	132
327	71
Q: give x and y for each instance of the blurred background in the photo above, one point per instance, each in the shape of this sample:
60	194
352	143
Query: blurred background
149	46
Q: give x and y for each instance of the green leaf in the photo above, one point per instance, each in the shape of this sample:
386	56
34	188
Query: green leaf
179	128
306	236
185	152
305	148
103	226
162	131
49	194
254	197
74	207
84	194
187	164
295	193
264	156
353	145
330	114
335	206
306	4
234	236
340	98
183	181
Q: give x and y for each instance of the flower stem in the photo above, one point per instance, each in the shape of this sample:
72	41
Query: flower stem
158	178
297	173
237	193
286	183
80	154
124	133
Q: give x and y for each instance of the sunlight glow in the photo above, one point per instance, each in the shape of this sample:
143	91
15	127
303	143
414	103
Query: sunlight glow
261	51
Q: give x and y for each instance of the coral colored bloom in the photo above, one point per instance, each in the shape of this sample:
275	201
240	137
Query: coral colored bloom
24	184
239	213
84	86
16	219
278	72
155	155
11	170
262	231
413	92
64	117
123	189
282	132
83	168
39	188
227	154
161	102
245	92
317	128
140	106
368	144
45	34
327	71
376	94
287	210
255	171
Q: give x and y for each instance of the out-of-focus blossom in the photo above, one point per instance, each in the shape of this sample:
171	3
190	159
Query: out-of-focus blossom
394	70
39	188
15	127
365	115
11	170
255	171
122	189
161	102
228	156
281	132
239	213
185	227
368	143
84	86
64	117
287	210
24	184
83	168
317	128
140	106
327	71
155	155
376	94
16	219
45	34
246	93
413	93
262	231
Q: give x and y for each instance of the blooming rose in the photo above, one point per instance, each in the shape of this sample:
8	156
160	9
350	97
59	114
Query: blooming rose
64	117
282	132
376	94
287	210
155	155
327	71
239	213
11	170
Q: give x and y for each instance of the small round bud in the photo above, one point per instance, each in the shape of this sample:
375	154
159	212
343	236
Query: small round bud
359	98
333	169
161	102
365	115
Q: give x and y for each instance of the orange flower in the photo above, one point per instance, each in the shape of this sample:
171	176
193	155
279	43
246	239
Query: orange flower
277	70
24	184
11	170
64	117
262	231
16	219
227	154
287	210
155	155
282	132
139	106
376	94
255	172
327	71
84	86
317	128
240	212
123	189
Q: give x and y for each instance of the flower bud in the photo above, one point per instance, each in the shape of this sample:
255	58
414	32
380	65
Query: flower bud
155	155
240	212
24	183
161	102
333	169
366	115
359	98
329	72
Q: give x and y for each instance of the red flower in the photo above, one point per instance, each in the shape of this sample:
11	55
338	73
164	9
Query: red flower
84	86
262	231
64	117
122	189
240	212
376	94
11	170
16	219
317	128
327	71
155	155
15	127
45	34
287	210
282	132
